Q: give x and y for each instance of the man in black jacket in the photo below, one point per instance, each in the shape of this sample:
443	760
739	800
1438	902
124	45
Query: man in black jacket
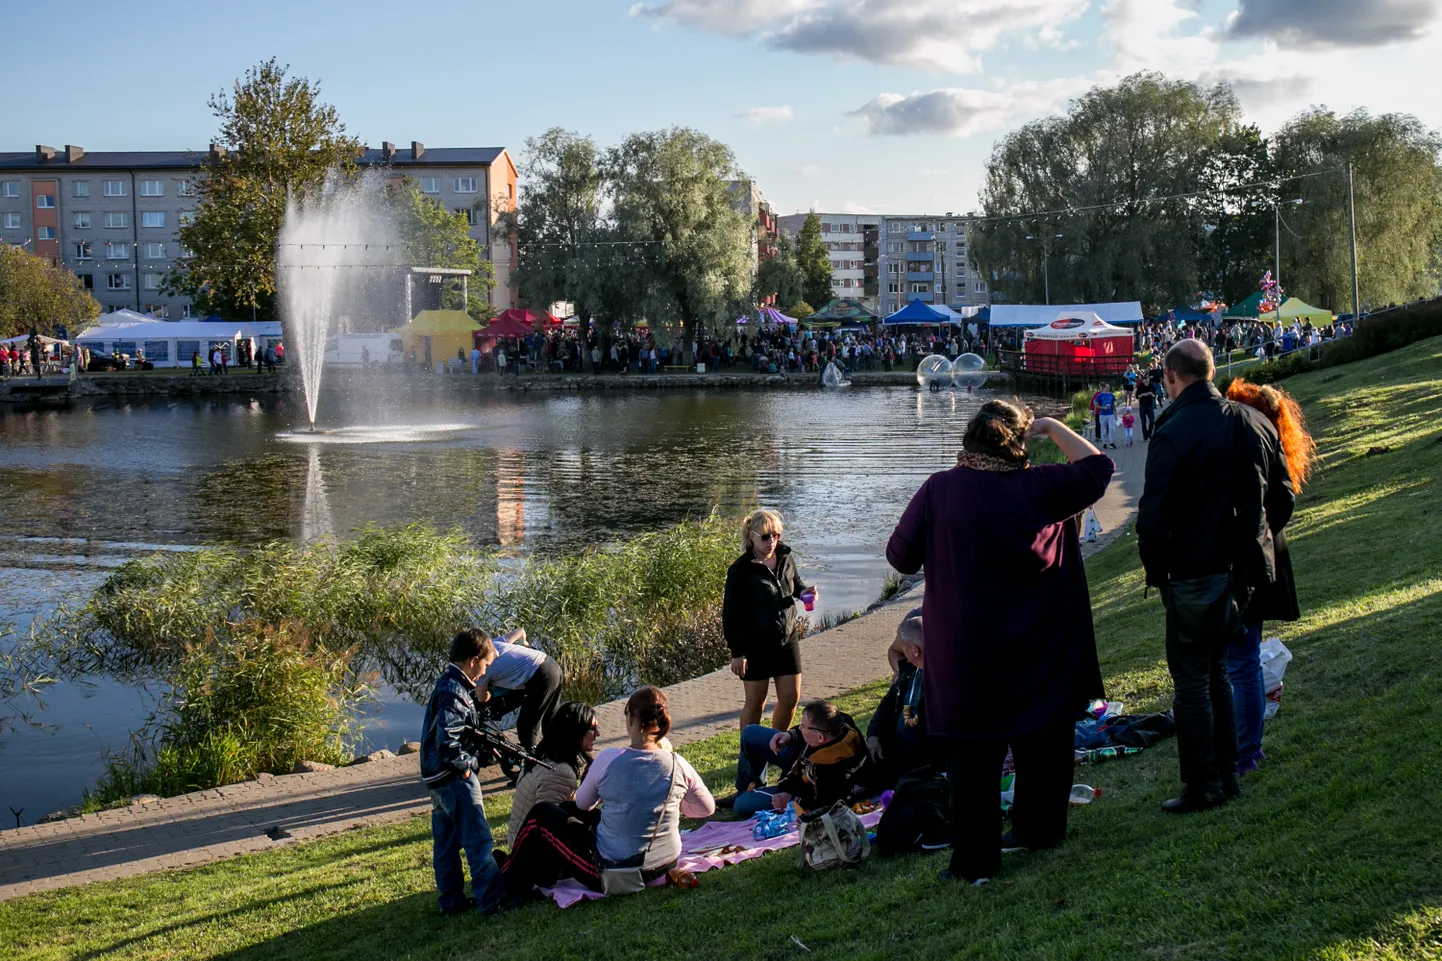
1204	540
896	738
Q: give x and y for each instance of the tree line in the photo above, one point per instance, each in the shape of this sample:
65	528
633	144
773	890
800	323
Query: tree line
1160	193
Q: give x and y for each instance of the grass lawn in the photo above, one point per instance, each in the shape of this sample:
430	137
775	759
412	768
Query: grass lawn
1333	852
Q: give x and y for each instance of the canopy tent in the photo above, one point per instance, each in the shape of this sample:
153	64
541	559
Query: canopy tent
1079	342
168	343
1295	308
917	313
842	308
449	333
505	324
1249	309
21	340
1185	314
531	318
1038	315
767	317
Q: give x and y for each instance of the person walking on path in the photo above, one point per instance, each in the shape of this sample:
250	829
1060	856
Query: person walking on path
758	619
1276	601
1204	541
1104	404
1010	652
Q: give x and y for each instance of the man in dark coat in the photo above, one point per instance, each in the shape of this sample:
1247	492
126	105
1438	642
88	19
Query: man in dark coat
1203	538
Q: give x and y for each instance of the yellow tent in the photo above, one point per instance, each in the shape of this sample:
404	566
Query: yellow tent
1295	308
447	332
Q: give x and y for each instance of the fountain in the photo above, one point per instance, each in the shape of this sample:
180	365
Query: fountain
328	250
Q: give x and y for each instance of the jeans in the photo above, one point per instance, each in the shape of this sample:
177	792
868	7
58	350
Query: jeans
1202	705
458	821
756	754
1044	765
1249	696
1148	419
1104	428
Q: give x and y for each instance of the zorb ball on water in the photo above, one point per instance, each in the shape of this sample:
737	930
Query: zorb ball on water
933	371
969	371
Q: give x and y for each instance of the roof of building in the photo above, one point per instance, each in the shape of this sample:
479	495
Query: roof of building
190	159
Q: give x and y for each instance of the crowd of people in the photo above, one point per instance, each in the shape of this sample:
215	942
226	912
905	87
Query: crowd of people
997	665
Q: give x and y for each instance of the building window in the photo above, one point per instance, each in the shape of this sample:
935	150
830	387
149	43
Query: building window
980	287
154	251
86	280
185	188
81	188
188	312
12	221
185	218
469	214
114	188
117	221
82	221
184	253
152	218
117	281
82	250
465	185
920	289
9	188
430	185
825	227
117	250
150	281
157	349
45	201
44	233
848	228
152	188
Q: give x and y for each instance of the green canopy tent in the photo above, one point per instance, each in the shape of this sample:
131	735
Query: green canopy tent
1249	309
1293	308
847	310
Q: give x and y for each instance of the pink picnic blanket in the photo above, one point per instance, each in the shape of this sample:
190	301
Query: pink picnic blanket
697	854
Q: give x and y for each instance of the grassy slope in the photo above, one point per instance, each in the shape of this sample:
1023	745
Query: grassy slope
1332	852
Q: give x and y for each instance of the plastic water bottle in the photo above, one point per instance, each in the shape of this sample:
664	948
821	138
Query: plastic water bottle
1083	794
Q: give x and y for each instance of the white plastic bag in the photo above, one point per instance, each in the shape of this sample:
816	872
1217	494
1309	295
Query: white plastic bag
1275	657
1093	526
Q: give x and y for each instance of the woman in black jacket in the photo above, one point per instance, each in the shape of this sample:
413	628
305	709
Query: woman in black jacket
758	618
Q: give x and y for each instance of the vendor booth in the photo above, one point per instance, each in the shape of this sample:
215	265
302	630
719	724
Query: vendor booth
436	336
918	313
172	343
1078	343
841	310
767	317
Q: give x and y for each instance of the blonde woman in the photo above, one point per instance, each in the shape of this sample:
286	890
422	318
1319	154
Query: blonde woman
758	617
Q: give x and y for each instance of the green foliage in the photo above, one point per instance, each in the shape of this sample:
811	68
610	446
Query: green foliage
780	275
36	292
23	677
1237	216
814	260
278	141
800	310
248	699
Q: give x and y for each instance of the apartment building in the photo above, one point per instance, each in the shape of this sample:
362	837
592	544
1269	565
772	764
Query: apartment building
928	257
747	198
852	240
113	217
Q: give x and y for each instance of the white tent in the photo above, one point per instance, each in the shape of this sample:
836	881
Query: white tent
165	343
1039	315
22	339
1074	325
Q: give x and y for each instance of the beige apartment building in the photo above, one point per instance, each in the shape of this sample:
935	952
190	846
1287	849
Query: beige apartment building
113	217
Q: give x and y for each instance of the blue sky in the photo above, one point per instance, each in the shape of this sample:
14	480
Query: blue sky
868	105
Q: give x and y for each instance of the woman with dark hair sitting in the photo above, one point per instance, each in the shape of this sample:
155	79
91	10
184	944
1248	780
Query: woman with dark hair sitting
1011	658
566	746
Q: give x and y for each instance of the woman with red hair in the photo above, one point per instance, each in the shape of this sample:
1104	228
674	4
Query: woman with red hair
1278	600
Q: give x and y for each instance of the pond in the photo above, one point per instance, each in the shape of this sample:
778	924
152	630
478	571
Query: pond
85	488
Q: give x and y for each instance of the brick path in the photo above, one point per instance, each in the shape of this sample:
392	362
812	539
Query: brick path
210	825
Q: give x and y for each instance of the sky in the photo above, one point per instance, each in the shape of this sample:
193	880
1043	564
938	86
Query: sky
867	106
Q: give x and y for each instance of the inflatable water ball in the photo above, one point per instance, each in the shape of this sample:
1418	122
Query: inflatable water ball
832	376
933	371
969	371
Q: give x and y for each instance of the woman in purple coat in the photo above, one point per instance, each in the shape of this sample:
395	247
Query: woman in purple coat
1011	659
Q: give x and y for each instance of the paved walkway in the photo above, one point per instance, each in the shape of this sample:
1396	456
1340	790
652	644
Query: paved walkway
210	825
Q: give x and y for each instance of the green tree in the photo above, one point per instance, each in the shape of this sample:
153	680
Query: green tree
277	140
1237	215
800	310
670	193
814	261
780	274
36	292
1106	177
437	237
1398	195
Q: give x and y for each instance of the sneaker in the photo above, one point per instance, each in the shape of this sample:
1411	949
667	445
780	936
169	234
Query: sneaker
1189	802
463	906
1009	845
1248	767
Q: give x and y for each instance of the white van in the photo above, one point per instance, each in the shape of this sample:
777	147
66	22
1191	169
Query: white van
352	350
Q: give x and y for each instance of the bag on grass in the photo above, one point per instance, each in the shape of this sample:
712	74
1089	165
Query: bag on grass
833	838
1275	657
919	815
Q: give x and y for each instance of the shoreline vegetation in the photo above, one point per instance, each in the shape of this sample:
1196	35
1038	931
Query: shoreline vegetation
1329	853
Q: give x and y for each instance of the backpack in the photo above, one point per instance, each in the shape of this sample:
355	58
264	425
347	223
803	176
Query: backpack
918	816
833	838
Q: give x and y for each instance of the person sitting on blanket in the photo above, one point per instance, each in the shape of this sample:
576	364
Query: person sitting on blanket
566	747
896	738
822	758
642	791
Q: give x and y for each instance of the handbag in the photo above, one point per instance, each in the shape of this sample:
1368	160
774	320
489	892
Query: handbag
627	877
833	838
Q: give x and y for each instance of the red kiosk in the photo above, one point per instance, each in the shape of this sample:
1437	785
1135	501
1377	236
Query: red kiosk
1078	344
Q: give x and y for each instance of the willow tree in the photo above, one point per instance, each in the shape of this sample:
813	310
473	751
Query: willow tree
672	205
277	140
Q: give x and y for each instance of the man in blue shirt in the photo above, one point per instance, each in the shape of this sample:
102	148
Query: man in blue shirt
1105	405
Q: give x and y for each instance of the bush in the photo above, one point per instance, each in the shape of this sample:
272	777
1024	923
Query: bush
250	699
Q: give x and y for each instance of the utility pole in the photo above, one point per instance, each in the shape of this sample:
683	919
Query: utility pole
1277	258
1352	230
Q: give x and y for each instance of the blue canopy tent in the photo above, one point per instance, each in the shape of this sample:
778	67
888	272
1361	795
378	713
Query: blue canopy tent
1188	315
917	313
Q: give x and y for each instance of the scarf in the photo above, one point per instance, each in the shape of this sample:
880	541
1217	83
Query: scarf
987	462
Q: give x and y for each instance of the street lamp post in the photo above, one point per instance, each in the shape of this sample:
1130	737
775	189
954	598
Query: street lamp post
1277	249
1045	261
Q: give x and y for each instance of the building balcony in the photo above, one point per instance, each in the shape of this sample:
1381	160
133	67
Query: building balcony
920	275
924	256
925	296
920	235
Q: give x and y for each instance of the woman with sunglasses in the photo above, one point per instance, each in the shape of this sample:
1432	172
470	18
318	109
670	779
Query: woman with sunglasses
566	747
758	618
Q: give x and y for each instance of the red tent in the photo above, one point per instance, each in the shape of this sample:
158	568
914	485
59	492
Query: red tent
506	324
1080	344
535	319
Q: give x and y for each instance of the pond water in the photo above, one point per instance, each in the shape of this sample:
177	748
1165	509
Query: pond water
85	488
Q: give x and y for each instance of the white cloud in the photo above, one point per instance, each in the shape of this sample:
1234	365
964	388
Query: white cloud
963	111
809	170
765	114
852	207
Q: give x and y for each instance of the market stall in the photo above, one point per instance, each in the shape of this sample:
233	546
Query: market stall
1078	343
436	336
